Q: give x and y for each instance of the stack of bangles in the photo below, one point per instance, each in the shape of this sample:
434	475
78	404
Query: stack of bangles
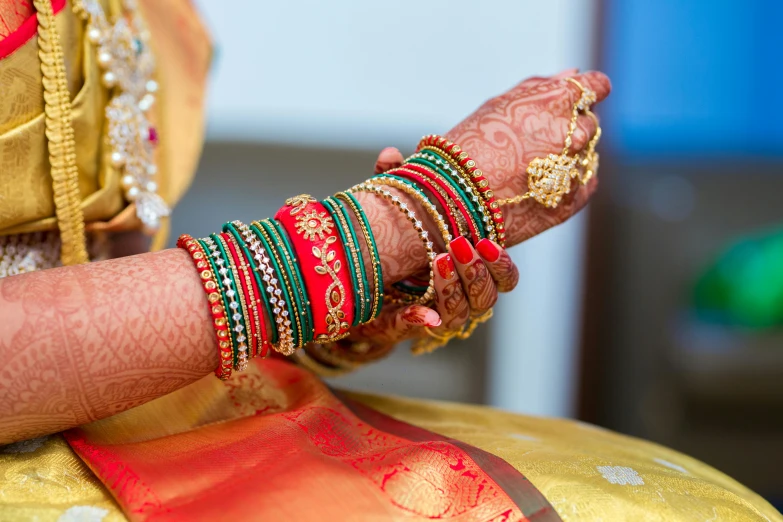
306	277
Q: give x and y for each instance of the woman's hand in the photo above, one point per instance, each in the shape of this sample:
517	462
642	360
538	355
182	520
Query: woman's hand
530	120
467	283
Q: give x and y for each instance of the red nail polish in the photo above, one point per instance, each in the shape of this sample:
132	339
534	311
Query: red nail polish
488	250
445	266
461	248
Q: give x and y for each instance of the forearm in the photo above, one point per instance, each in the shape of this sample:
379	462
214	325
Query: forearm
85	342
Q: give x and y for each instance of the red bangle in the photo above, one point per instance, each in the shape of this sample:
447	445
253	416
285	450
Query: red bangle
219	319
476	177
323	263
422	171
455	230
246	284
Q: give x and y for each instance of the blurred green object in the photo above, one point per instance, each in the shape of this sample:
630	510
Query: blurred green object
744	286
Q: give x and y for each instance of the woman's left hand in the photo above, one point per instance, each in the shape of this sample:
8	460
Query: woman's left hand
467	283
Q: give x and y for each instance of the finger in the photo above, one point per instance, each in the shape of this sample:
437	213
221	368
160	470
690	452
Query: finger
479	285
596	81
499	263
450	299
586	128
388	159
396	323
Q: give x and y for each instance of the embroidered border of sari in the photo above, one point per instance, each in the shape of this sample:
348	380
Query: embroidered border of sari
276	443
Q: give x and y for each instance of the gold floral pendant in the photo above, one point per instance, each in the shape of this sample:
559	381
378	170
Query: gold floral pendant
549	179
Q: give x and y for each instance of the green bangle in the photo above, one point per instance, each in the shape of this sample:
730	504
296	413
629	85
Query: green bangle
230	228
361	286
478	203
375	258
298	308
211	258
229	289
305	310
455	184
261	234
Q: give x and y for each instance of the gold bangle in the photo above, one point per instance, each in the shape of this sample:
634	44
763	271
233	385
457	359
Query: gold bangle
423	234
253	307
374	260
352	248
304	359
591	158
244	354
437	340
425	203
284	278
469	185
285	339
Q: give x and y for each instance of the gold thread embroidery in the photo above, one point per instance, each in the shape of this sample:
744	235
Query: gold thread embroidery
334	296
299	202
314	223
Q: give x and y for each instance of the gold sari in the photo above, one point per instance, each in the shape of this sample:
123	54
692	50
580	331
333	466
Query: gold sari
275	442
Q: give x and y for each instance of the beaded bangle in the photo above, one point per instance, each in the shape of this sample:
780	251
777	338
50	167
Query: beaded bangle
455	179
265	278
413	191
457	221
295	274
278	295
217	309
245	334
465	164
422	174
423	234
231	294
311	232
254	321
361	285
255	286
288	295
372	246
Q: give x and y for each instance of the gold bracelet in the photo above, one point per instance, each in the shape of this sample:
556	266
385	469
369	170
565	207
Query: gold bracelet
374	259
284	277
423	234
470	187
243	356
437	340
415	194
253	305
284	333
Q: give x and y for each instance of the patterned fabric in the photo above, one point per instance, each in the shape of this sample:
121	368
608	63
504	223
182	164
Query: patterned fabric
25	182
583	472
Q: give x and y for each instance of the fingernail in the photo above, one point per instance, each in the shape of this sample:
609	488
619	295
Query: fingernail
488	250
446	267
461	248
418	315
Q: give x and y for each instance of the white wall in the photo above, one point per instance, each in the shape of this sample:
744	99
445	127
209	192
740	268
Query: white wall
357	74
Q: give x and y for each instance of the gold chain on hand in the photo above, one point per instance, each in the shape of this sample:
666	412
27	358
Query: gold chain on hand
549	179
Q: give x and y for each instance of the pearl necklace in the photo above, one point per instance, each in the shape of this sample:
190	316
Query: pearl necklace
128	65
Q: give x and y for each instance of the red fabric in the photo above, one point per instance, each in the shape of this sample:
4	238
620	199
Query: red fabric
291	450
18	36
313	233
